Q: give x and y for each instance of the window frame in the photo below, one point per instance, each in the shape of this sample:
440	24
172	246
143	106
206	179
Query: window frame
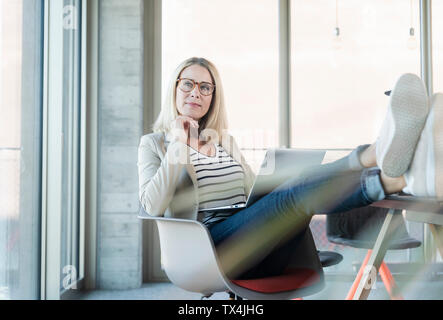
20	267
52	153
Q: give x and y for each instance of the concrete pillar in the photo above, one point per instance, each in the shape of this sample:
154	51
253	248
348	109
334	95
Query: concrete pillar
120	118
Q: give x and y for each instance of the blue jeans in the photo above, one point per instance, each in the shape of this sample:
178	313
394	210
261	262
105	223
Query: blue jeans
325	189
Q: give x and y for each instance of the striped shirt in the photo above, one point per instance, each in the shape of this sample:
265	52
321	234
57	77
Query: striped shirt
220	183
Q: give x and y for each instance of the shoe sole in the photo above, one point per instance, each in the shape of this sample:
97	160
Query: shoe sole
409	109
438	145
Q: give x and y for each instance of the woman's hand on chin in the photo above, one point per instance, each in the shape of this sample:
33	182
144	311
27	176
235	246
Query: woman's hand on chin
181	126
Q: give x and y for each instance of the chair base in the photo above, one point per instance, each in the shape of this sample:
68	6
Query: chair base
329	258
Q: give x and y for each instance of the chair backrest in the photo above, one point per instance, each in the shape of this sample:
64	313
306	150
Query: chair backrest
357	224
188	256
360	227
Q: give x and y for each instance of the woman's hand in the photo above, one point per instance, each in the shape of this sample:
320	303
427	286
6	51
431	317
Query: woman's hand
181	127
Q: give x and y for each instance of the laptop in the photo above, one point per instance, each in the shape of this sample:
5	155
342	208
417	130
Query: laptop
278	166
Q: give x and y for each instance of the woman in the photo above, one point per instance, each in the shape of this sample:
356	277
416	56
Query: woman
190	163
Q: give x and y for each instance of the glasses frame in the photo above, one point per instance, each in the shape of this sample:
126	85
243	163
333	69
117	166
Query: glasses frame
198	84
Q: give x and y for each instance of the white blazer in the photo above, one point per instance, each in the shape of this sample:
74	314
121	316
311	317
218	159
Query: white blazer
167	179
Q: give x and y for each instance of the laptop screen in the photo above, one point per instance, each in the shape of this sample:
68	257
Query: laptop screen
280	165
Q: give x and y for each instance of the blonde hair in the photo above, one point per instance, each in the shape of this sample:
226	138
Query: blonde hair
214	119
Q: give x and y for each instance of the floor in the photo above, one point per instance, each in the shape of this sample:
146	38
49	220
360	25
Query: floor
334	290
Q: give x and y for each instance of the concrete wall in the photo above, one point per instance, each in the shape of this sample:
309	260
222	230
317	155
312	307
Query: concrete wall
120	117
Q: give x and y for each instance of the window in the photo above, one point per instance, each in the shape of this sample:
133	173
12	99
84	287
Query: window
241	39
338	87
21	29
61	171
437	45
71	141
338	83
437	61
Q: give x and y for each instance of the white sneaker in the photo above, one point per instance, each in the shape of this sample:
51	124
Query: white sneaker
425	175
405	119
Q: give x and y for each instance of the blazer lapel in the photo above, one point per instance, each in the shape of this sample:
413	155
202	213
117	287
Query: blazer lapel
189	167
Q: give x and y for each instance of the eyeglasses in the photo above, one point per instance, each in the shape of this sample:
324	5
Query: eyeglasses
187	85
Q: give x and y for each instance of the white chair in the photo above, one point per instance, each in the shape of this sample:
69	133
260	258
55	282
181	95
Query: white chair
190	261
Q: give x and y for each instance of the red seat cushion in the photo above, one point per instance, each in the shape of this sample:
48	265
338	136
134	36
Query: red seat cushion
291	279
